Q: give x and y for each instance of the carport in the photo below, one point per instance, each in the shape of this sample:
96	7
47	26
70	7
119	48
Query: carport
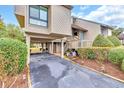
47	41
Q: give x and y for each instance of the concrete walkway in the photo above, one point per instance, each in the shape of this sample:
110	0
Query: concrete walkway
49	71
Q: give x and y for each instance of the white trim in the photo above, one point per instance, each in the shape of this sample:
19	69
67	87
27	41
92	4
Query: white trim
62	49
28	48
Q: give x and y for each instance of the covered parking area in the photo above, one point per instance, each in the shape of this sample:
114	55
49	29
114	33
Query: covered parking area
50	42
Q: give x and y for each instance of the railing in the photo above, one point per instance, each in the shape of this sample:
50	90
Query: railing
78	44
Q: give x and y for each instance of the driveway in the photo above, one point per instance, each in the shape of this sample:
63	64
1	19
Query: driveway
50	71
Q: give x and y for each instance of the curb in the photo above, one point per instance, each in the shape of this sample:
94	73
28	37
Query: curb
122	81
29	79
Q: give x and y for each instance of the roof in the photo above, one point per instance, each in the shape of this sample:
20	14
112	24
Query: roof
68	6
78	27
105	25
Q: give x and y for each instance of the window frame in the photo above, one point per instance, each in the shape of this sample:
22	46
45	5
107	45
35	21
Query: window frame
38	19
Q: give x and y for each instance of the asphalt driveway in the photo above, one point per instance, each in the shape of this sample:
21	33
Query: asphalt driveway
50	71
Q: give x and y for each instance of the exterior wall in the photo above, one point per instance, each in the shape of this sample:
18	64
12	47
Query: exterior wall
93	29
36	28
106	31
109	32
61	20
20	9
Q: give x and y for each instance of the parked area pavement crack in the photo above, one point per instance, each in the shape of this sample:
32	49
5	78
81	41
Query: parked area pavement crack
50	71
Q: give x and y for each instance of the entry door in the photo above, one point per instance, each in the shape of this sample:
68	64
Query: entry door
54	47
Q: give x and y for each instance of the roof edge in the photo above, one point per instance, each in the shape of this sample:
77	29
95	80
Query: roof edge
105	25
68	6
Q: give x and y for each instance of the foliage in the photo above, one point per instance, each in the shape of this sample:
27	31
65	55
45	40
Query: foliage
90	54
3	62
98	53
2	25
15	52
116	55
114	40
4	68
12	31
117	31
101	41
122	65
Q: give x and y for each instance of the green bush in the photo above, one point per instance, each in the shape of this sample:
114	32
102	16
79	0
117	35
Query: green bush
15	52
122	65
90	54
101	41
114	40
98	53
116	55
3	62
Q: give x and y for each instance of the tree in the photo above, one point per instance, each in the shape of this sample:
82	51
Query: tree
2	25
14	32
11	31
116	31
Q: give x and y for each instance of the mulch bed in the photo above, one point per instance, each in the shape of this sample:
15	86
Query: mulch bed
109	68
21	82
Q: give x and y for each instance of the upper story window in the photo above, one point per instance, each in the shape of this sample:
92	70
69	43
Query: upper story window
104	31
38	15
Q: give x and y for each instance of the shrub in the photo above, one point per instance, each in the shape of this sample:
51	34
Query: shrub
6	67
15	52
99	53
114	40
101	41
122	65
90	54
116	55
3	62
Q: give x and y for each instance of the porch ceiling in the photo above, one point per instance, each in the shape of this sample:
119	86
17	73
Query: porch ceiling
43	37
40	40
74	26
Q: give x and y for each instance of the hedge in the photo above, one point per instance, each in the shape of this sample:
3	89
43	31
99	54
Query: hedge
122	65
116	55
98	53
114	40
101	41
15	52
2	66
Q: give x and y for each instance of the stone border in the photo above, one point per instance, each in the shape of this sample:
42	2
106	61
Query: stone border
122	81
29	79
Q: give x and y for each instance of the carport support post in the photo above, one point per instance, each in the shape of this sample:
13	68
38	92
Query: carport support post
52	48
62	49
28	47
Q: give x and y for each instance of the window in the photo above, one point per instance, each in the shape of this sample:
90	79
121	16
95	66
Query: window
38	15
75	33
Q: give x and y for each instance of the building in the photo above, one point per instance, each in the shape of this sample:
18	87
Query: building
52	27
45	24
84	32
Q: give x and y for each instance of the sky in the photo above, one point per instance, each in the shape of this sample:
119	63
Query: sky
110	15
